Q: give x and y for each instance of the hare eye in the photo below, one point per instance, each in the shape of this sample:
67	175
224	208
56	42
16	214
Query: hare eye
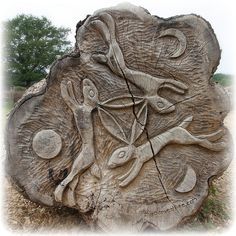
121	154
91	93
160	104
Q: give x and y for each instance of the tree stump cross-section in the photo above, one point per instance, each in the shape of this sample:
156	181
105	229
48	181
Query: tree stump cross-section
128	128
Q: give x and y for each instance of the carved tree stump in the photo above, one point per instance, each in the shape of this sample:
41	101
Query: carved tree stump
128	128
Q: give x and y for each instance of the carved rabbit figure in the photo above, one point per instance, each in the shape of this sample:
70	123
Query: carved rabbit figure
148	150
83	119
115	61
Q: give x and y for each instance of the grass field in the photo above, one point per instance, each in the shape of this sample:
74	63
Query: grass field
8	105
223	79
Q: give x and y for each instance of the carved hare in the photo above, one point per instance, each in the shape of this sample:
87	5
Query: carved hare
148	150
83	119
115	61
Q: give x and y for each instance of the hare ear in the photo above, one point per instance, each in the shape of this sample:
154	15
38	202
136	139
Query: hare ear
102	28
68	95
139	124
109	21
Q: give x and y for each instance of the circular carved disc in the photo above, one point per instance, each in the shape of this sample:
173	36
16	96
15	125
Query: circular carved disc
47	144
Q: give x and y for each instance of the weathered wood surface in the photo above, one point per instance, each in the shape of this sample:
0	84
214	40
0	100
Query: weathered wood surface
131	123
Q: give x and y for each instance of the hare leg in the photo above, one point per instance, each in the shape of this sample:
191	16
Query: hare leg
61	187
186	122
122	177
213	136
68	95
212	146
137	167
71	191
206	141
79	165
174	85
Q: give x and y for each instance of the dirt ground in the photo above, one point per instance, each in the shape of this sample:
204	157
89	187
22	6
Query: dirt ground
24	216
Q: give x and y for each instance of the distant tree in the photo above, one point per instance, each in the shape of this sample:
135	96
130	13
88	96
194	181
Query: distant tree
31	45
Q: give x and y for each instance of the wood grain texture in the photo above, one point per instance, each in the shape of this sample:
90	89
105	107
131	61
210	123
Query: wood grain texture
140	122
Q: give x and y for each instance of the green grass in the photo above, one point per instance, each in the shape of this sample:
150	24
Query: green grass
223	79
214	214
19	88
213	210
214	207
7	106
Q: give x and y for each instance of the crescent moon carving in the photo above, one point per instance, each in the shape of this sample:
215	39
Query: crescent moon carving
189	181
181	38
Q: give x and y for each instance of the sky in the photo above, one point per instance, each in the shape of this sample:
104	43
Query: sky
66	13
